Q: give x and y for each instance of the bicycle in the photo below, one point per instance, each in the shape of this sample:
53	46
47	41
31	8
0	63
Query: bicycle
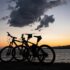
8	53
44	53
23	48
27	52
37	51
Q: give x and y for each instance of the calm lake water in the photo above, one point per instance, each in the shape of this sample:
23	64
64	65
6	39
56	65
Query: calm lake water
62	55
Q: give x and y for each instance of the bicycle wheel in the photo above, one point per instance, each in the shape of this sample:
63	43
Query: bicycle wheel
30	56
19	52
47	54
6	54
33	55
27	54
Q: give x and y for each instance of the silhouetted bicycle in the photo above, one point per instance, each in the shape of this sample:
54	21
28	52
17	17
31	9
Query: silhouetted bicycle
44	53
23	49
7	53
35	53
23	52
30	52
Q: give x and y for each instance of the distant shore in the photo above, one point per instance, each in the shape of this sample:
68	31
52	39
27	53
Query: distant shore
33	66
55	47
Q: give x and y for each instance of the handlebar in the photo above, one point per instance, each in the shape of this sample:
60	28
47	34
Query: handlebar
11	36
37	36
29	36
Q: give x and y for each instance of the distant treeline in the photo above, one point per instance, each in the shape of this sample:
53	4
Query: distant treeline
62	47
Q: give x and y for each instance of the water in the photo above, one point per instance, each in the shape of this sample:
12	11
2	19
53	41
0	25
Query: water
62	55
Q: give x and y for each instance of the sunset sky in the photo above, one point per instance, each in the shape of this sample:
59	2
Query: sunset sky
57	34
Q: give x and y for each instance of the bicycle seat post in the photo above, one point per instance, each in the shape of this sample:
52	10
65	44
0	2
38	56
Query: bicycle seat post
29	36
23	39
38	39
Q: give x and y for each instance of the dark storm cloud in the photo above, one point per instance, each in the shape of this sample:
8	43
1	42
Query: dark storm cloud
45	21
4	18
10	7
28	11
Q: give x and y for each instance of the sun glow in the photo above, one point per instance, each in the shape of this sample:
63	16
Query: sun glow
48	41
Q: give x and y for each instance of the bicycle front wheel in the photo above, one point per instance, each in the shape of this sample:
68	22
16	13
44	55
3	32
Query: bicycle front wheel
6	54
47	54
19	53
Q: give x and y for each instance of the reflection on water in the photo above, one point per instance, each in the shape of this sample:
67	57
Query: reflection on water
62	55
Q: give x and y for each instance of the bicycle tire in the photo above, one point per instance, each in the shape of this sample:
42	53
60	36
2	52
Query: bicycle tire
19	53
48	54
30	56
33	56
27	54
6	54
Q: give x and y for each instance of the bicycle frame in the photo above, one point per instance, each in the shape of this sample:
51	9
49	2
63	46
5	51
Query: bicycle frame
13	41
34	48
26	51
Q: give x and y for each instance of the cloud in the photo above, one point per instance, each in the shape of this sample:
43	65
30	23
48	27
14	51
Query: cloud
4	18
27	12
45	21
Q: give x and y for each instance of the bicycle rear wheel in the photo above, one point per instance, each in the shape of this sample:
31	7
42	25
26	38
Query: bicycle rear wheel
19	53
33	55
47	54
6	54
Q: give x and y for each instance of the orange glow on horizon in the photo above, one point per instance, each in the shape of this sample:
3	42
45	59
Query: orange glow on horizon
48	42
56	43
2	44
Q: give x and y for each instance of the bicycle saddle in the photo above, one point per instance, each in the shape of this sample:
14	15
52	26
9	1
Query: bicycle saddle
29	36
38	38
